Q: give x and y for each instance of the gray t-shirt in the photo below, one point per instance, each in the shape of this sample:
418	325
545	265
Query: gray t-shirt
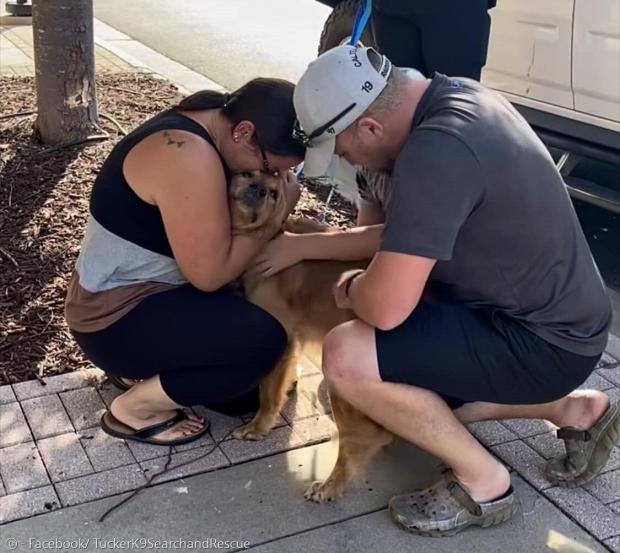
474	188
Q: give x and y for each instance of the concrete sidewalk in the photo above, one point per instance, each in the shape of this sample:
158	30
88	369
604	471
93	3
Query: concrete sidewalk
59	472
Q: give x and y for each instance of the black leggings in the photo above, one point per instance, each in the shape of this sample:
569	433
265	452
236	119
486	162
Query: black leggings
208	348
454	44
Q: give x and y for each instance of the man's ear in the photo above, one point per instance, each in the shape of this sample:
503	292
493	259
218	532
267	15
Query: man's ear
368	127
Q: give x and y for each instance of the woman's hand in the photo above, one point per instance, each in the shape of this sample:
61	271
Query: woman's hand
278	254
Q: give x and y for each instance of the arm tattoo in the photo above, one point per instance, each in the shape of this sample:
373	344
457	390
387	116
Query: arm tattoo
170	142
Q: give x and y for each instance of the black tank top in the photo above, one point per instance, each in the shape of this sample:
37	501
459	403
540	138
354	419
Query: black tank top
118	208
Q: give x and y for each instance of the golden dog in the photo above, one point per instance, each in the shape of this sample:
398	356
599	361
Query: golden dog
300	297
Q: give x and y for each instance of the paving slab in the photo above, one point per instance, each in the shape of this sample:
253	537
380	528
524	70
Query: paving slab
315	429
21	468
144	452
84	407
613	346
613	544
525	428
597	381
613	462
595	517
6	394
56	384
104	451
64	457
193	461
310	400
221	425
13	426
528	532
607	362
204	441
272	515
611	374
108	392
27	504
546	445
279	439
46	416
525	461
307	367
492	432
100	484
606	487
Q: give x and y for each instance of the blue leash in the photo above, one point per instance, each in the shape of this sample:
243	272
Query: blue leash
361	20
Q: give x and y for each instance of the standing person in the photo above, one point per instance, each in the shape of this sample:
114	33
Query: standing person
476	209
147	301
447	36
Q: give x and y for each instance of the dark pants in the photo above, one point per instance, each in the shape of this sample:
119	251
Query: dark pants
431	40
468	355
208	348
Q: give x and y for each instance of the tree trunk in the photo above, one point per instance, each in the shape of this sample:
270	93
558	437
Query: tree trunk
64	57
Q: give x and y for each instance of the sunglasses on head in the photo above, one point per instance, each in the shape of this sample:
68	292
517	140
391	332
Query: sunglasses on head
306	139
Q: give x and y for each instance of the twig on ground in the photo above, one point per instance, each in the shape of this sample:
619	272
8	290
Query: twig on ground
116	123
17	114
93	138
166	469
7	254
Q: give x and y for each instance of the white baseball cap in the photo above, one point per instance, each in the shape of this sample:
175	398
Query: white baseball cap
336	89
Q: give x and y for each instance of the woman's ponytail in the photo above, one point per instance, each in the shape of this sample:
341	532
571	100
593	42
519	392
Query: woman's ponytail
204	99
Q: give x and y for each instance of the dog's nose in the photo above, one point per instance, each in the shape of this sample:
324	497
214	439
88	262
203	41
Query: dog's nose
254	194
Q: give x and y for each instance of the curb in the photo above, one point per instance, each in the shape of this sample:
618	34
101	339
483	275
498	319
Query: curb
15	20
142	57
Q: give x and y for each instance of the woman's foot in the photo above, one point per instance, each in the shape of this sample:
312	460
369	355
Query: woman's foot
139	408
120	382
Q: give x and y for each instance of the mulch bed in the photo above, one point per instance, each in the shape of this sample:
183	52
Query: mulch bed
44	197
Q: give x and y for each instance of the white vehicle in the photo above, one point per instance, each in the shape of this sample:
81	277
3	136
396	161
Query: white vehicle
558	62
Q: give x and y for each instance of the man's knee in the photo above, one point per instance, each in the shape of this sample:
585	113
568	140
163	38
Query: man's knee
347	355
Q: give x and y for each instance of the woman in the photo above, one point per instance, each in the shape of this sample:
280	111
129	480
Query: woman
146	302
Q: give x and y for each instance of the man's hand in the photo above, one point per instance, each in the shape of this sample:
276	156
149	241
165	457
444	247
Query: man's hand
277	255
342	299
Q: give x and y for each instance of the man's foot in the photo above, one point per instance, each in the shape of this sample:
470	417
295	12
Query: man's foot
581	409
447	508
587	448
175	429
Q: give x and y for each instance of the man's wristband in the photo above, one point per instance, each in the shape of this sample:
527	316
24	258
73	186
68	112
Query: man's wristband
350	280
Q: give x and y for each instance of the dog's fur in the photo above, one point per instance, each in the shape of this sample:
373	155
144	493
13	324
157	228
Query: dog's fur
300	297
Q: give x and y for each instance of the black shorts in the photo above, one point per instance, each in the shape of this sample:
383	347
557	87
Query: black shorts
468	355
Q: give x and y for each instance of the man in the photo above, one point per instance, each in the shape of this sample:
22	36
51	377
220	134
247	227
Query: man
476	214
449	36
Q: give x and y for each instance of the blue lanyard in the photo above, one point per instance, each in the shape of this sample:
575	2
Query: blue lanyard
361	20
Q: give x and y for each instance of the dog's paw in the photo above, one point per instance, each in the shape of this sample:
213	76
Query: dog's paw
249	431
323	491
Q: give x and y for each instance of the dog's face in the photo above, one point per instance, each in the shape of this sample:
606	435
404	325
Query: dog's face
257	203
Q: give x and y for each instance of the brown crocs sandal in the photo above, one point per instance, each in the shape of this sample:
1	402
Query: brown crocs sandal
446	508
112	426
587	451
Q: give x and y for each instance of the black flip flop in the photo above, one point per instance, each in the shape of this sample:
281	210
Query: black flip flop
118	382
112	426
